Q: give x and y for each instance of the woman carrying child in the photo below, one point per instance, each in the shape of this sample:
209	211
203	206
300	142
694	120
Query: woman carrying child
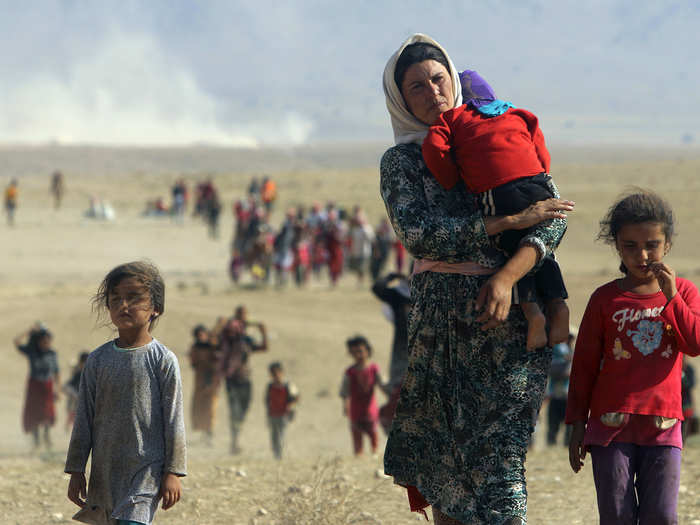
464	417
625	390
235	347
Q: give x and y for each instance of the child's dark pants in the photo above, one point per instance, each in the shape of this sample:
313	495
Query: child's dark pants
636	484
363	427
513	197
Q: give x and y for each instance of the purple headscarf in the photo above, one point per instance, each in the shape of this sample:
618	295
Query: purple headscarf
477	93
481	93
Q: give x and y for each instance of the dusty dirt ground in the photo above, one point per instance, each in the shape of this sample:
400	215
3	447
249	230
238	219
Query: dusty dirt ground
52	261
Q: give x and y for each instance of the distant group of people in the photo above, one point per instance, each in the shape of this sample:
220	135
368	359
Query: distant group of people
467	170
309	241
220	358
221	355
11	197
133	297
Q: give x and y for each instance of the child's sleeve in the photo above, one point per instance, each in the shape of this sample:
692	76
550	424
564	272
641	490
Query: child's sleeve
546	235
437	153
173	417
537	138
81	437
381	380
586	362
292	393
345	386
420	228
682	313
384	293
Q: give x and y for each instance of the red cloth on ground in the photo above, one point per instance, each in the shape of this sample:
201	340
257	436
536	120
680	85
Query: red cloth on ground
416	500
628	352
39	406
485	152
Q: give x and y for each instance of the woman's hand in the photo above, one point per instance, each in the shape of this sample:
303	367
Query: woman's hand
577	450
541	211
77	488
170	490
666	277
533	214
494	299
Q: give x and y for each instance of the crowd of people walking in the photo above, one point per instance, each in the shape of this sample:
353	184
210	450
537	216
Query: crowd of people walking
310	242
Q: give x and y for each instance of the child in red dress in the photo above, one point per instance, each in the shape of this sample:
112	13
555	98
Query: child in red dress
357	391
42	386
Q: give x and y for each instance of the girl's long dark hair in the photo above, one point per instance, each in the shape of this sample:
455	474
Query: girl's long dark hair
144	272
635	207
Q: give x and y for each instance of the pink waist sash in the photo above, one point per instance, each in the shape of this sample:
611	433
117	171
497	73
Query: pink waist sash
464	268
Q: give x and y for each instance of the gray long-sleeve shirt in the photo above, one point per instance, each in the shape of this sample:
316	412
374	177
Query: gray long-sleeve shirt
130	416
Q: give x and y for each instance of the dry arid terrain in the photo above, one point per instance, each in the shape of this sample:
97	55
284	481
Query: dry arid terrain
52	261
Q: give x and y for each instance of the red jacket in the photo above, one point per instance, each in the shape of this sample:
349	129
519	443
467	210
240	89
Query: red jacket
628	352
486	152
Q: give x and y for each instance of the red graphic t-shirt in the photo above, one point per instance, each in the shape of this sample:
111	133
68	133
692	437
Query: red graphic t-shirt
628	352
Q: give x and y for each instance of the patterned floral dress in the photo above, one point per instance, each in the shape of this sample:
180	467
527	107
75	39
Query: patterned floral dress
469	399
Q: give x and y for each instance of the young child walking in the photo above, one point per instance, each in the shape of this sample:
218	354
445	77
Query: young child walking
42	386
71	388
357	392
500	154
129	413
625	389
280	399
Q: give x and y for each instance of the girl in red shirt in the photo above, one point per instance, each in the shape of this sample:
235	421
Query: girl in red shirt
625	390
357	391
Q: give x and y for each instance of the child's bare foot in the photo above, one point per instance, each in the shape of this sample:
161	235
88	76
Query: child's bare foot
558	317
536	321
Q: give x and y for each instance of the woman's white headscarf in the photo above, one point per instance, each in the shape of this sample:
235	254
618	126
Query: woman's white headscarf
408	128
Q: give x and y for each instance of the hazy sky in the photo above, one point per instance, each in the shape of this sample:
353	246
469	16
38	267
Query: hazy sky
293	72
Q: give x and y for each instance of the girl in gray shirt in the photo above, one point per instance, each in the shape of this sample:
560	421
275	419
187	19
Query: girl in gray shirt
129	413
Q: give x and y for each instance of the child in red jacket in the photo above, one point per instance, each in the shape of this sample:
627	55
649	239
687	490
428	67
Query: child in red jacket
625	387
280	399
500	154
